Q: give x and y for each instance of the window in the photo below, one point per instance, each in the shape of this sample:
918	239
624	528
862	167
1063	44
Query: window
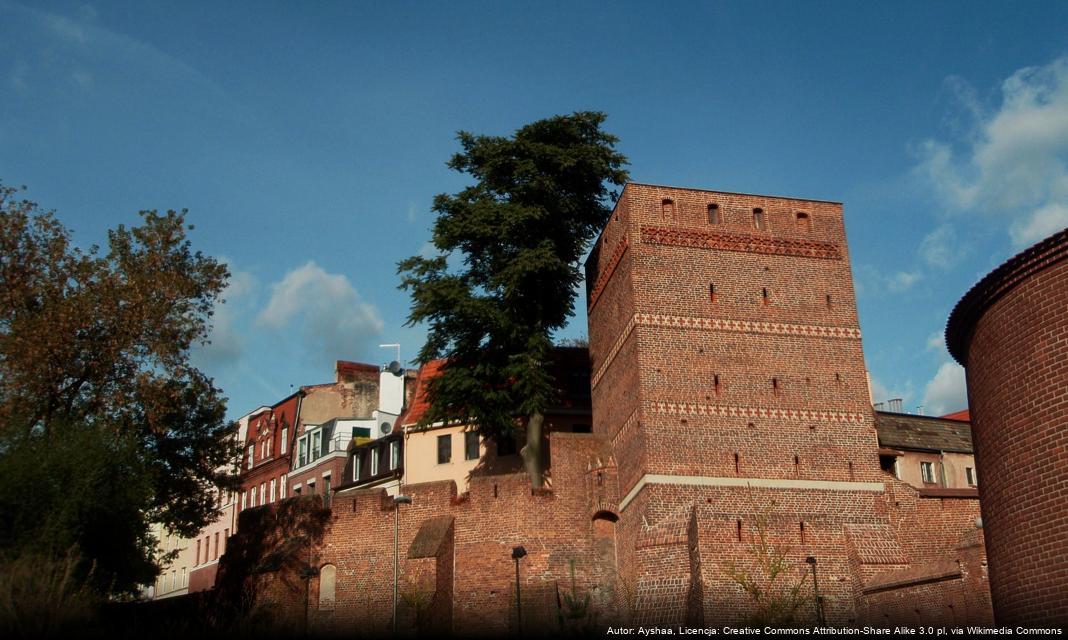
216	556
970	473
198	552
282	488
927	471
253	497
767	297
285	440
667	209
327	581
311	487
394	454
711	292
272	490
444	449
302	452
244	495
357	463
471	445
804	223
251	452
715	383
226	536
184	583
374	461
713	214
326	490
263	493
263	450
758	219
316	444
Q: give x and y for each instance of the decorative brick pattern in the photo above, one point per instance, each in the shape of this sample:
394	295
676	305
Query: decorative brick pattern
736	242
606	274
721	324
774	413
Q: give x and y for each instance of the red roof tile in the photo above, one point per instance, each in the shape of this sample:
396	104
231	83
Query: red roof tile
963	415
420	404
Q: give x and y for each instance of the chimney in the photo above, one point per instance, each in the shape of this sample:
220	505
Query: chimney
894	405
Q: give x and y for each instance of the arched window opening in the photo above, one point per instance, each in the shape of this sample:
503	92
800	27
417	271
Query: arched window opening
327	585
804	223
713	214
667	209
758	219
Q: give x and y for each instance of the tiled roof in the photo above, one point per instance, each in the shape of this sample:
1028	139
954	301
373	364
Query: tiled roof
905	431
419	404
963	415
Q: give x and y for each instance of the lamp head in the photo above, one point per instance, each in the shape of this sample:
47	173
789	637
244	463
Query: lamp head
402	499
810	560
518	552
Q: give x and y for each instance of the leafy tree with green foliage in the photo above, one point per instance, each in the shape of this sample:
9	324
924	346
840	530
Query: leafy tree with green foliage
105	425
538	199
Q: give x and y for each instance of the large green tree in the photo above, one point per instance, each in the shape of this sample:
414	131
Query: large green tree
507	269
105	425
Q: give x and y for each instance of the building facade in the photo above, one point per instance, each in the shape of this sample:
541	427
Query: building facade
1010	331
729	405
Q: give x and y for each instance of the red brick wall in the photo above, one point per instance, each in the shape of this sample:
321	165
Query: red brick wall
1017	370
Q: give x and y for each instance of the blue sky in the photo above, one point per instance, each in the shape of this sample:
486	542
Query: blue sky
308	139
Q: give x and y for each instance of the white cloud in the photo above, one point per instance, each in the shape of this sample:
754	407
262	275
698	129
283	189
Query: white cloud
872	281
227	338
880	392
941	248
1014	162
946	392
324	307
936	341
1044	222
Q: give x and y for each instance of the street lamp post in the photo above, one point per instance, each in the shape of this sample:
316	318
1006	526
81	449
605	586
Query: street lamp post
397	502
517	553
811	560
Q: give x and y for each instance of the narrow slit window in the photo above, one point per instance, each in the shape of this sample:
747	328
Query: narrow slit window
801	528
775	385
667	209
804	223
766	296
797	465
715	383
737	464
713	214
829	304
758	219
711	292
738	530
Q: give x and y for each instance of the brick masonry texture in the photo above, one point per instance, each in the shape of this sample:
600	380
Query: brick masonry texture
1011	333
720	354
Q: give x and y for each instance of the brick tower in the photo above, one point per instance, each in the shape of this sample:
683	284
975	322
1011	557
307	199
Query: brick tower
729	380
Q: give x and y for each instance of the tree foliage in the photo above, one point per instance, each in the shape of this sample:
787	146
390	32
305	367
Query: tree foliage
105	425
770	575
507	268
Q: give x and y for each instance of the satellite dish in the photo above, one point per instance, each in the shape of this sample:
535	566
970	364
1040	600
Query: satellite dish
394	368
386	428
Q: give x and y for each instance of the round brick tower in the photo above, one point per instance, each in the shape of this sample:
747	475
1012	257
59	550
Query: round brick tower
1010	331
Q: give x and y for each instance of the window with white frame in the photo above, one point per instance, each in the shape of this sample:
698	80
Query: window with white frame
272	490
244	495
357	463
302	452
251	453
253	496
282	488
374	461
970	473
316	445
927	472
285	440
394	454
263	493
